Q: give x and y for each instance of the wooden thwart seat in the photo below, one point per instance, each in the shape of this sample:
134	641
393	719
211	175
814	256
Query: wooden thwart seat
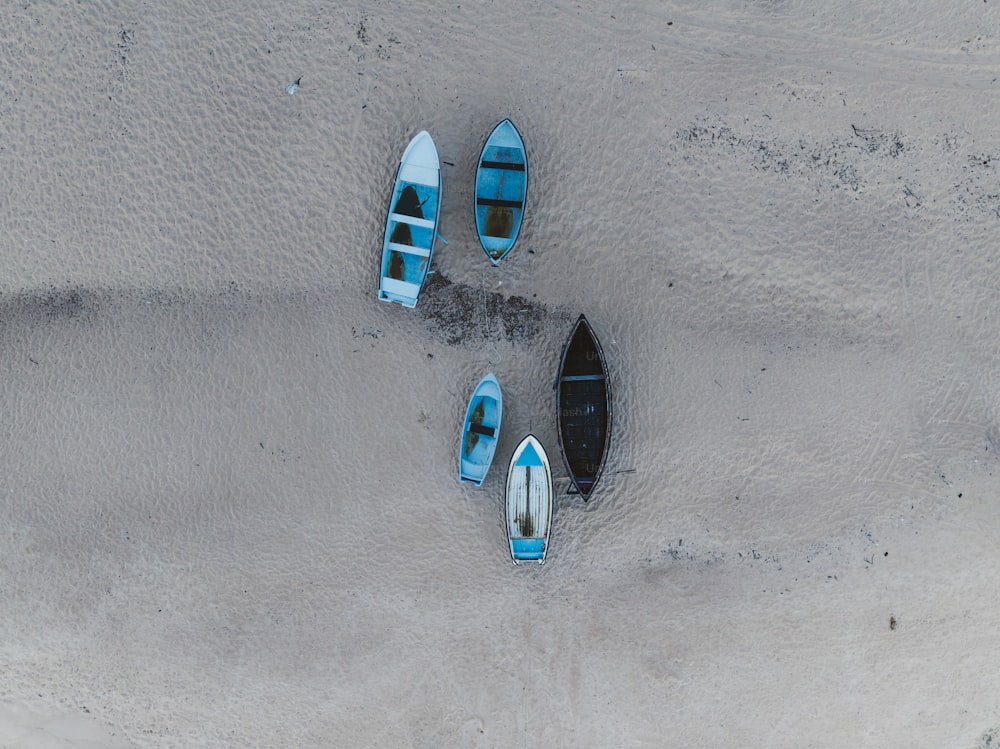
483	430
412	220
499	203
579	378
514	167
409	249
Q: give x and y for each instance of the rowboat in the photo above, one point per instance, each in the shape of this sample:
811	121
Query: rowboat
481	431
529	502
411	226
501	190
584	407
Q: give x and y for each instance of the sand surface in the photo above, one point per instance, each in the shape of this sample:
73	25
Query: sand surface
229	507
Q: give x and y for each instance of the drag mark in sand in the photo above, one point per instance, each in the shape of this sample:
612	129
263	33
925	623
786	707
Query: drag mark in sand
838	160
864	160
920	61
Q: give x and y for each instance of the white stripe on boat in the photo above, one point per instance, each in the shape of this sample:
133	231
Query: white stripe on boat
419	175
409	249
400	288
411	220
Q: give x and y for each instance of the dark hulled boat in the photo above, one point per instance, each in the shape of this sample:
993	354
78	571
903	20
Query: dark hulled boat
584	407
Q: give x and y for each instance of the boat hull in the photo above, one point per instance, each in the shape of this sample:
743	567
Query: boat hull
584	407
528	502
501	191
411	224
480	431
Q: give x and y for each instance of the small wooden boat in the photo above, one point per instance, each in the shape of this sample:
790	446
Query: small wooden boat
529	502
411	226
584	407
481	431
501	190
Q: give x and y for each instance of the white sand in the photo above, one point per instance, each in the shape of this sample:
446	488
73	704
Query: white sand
229	513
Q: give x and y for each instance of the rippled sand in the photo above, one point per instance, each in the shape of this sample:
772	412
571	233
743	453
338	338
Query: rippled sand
229	507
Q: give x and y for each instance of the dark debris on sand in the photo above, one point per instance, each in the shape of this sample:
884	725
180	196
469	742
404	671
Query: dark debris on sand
464	313
55	303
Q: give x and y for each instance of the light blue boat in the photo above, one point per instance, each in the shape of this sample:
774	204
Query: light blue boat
411	226
501	190
481	431
529	502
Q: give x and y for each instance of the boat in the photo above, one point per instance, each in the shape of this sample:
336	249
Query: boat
481	431
529	502
501	190
412	223
584	407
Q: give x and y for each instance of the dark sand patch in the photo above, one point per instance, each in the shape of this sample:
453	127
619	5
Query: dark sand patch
462	313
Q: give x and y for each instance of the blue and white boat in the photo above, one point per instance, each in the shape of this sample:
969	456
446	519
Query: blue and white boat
501	190
481	431
412	223
529	502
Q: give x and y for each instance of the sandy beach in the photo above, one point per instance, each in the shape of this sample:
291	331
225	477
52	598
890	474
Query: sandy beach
229	506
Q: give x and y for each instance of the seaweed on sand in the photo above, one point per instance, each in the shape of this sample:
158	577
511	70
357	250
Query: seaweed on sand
464	313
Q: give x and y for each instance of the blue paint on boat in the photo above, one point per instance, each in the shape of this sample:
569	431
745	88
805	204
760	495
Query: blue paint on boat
501	190
480	431
529	457
411	224
528	549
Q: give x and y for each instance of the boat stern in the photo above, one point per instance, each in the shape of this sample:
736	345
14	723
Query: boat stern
528	550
